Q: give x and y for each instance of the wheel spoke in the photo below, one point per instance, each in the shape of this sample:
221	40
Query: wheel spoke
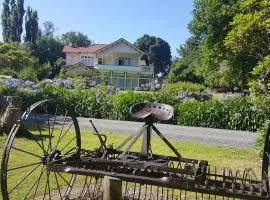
27	152
64	179
49	188
24	166
58	186
67	144
55	147
45	190
24	179
51	130
39	178
36	181
39	130
61	131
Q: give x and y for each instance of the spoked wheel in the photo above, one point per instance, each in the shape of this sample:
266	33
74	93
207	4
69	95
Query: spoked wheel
44	134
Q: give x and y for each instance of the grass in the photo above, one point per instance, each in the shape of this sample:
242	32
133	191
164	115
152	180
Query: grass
216	155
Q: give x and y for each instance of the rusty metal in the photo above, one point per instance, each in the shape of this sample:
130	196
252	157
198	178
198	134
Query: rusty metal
145	175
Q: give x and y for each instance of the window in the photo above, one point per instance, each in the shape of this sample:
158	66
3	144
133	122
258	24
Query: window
100	61
124	61
87	60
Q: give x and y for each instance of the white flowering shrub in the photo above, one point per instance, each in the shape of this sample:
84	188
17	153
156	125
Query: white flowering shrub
13	83
60	82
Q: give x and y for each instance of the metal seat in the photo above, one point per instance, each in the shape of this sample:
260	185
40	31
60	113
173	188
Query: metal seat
159	111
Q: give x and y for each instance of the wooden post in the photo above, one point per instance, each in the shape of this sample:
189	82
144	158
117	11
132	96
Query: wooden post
11	113
112	188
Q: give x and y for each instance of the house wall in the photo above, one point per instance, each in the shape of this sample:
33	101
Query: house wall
73	58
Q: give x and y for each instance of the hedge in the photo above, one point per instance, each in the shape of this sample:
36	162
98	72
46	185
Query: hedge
235	113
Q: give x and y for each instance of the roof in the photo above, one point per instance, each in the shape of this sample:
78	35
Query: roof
90	49
121	40
94	48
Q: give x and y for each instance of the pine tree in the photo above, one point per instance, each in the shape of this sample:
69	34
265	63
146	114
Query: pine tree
5	20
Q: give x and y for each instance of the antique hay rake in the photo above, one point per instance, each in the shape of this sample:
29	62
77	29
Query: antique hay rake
48	161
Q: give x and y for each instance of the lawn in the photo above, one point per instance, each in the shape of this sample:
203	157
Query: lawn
217	156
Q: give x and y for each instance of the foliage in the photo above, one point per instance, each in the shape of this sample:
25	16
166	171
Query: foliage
49	29
260	85
183	70
5	20
157	51
237	113
31	26
234	113
48	49
12	20
250	29
77	39
14	58
262	137
174	88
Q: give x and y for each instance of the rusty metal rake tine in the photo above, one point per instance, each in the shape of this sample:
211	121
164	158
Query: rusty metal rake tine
84	186
157	191
89	187
126	188
134	191
140	191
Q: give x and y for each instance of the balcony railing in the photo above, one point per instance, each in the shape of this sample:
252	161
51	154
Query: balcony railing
107	67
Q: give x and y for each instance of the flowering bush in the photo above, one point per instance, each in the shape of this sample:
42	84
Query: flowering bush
105	102
236	113
151	86
13	83
60	82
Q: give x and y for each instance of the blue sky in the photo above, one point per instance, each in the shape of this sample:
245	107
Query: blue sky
105	21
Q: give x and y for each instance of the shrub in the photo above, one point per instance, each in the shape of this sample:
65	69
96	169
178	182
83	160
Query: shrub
261	139
174	88
237	113
234	113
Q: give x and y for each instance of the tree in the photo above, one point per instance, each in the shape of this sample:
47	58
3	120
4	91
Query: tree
49	29
31	26
250	33
157	51
5	20
77	39
12	20
16	59
16	20
184	68
48	49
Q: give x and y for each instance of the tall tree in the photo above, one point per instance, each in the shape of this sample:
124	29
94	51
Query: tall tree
157	51
19	24
31	26
49	29
77	39
12	20
5	20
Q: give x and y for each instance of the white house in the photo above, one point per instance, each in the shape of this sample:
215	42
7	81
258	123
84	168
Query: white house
118	64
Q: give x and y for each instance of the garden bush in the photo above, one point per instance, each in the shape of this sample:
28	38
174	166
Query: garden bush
235	113
174	88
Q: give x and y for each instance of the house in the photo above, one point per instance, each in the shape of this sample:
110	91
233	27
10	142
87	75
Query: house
118	64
